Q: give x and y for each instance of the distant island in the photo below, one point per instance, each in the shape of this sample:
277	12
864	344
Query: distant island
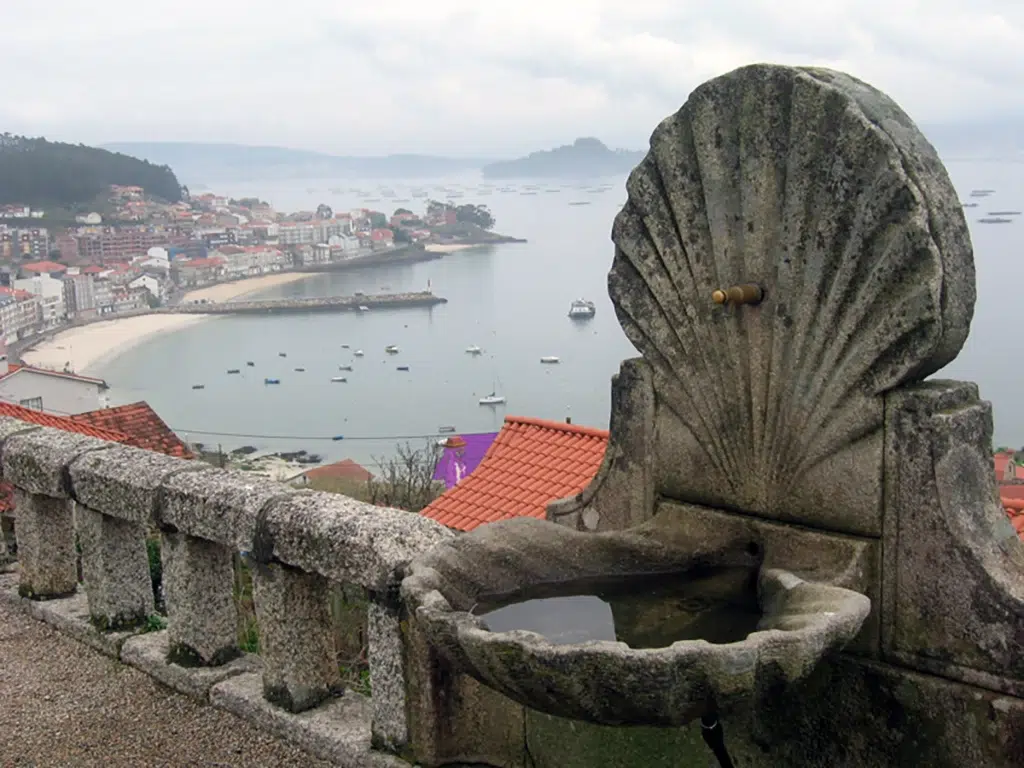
198	162
585	157
41	173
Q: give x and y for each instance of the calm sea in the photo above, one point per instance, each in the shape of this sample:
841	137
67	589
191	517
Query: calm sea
511	300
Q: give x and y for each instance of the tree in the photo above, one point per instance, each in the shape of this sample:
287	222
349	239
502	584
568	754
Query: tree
377	220
401	235
400	211
480	215
436	207
324	211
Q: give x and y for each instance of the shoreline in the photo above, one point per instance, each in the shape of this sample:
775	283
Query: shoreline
89	347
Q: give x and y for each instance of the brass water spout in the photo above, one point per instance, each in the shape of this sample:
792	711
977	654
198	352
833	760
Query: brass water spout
748	293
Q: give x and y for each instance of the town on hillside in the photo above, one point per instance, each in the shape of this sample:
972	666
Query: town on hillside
143	252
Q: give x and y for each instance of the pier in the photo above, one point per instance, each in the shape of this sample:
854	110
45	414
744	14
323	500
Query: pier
326	304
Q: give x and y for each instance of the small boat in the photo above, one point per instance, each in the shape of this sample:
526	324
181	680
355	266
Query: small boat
344	346
363	308
474	350
549	359
492	399
358	353
282	354
403	368
341	379
233	370
580	202
391	349
582	310
198	386
301	370
271	381
445	430
995	220
344	367
251	364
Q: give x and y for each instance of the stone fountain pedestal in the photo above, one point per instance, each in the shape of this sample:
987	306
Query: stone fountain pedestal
794	265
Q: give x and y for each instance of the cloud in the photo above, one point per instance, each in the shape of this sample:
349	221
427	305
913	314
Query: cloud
470	78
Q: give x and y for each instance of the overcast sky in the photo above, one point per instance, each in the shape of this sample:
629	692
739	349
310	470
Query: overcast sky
469	77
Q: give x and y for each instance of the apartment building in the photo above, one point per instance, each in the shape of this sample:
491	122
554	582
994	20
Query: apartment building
50	292
121	243
24	243
19	314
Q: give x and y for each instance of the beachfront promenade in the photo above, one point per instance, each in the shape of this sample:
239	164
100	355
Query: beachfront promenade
327	304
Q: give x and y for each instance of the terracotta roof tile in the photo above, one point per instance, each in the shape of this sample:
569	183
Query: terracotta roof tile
143	427
344	469
531	463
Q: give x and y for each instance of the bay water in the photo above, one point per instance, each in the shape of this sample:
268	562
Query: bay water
511	300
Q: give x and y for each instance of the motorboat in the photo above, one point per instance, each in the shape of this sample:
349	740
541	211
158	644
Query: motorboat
358	353
282	354
391	349
271	381
549	359
301	370
234	370
250	363
344	367
339	379
582	310
363	308
198	386
492	399
445	431
474	350
344	346
403	368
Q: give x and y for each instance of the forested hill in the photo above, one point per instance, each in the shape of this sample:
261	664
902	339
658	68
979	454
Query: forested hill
40	173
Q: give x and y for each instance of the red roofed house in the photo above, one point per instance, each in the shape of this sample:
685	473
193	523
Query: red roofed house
346	469
531	463
55	391
1010	478
382	237
51	268
142	425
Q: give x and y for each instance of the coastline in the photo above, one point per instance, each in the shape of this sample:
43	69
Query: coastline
89	347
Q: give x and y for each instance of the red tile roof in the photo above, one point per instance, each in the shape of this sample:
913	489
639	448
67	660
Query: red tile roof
142	425
43	267
346	469
531	463
44	419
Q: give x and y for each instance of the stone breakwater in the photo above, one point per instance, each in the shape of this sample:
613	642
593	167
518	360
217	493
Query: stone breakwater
328	304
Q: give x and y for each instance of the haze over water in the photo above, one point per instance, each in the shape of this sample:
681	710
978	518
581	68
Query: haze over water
511	300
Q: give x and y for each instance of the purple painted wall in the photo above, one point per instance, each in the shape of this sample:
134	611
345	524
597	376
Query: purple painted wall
456	463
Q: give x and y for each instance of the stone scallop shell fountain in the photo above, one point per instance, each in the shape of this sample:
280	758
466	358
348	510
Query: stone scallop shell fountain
790	250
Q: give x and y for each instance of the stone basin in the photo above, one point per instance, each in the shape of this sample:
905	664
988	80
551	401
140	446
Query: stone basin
609	681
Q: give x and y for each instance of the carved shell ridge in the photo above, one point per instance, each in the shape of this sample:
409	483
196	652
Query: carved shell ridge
784	177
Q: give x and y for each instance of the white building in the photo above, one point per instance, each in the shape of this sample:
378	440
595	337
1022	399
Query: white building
50	292
149	283
57	391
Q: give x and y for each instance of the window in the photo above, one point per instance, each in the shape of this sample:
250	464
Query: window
35	403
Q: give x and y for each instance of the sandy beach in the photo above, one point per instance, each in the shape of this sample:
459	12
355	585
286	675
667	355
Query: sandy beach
90	346
453	248
240	288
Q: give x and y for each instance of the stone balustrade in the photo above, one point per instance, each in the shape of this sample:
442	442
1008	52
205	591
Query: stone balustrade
78	496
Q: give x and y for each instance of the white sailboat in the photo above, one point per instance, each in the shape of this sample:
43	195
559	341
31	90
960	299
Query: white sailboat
492	399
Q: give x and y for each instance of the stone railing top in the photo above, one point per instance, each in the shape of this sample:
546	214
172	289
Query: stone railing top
333	535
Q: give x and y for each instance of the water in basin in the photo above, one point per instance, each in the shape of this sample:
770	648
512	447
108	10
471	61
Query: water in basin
651	611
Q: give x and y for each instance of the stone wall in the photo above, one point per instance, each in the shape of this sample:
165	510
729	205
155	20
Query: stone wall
106	498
